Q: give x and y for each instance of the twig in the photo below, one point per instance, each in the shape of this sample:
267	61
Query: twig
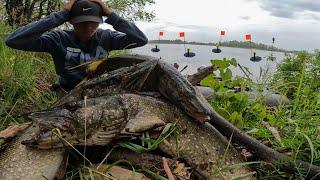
194	79
105	158
245	73
8	114
58	134
167	169
85	130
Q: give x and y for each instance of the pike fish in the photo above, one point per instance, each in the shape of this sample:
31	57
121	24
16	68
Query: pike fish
105	118
200	145
88	122
149	75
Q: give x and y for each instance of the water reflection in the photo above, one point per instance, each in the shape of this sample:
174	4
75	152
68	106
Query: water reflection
174	53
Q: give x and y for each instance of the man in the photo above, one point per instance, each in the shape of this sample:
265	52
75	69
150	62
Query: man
71	48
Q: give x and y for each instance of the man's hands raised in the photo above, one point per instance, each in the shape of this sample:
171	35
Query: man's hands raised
105	9
69	4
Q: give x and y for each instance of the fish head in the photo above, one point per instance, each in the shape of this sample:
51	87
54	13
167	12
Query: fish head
95	123
57	118
51	123
199	107
49	139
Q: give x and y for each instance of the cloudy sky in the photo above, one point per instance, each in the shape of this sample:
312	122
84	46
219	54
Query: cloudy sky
294	23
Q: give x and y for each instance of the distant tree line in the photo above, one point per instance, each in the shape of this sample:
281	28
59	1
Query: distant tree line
247	44
234	43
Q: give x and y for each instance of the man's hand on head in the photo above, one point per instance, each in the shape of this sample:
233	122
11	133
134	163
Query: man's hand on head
106	11
69	4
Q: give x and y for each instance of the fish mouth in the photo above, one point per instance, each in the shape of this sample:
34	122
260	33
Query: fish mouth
48	140
55	125
59	118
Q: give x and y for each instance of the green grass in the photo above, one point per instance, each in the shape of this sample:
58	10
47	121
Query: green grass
298	78
25	79
151	144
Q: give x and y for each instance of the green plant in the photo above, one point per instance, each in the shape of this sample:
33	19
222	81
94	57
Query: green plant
151	144
297	77
25	79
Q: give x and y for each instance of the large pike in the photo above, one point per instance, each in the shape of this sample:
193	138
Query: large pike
200	145
173	86
150	74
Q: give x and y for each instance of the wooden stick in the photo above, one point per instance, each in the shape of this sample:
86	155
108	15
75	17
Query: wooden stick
167	169
194	79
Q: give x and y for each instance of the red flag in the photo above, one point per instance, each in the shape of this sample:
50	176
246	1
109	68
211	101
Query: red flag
222	33
181	34
160	33
248	37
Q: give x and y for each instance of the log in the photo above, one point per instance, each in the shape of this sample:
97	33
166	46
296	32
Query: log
194	79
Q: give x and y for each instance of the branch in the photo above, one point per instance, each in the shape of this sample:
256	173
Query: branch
194	79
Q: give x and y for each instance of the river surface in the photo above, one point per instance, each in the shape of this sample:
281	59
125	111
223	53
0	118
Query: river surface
173	53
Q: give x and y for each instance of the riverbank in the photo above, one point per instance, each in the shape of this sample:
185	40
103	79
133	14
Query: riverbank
25	80
292	129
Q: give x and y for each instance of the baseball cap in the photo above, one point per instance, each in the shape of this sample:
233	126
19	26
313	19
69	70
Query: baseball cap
85	10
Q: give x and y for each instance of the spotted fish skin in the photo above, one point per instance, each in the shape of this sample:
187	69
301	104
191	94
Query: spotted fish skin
199	144
19	162
177	89
119	80
101	120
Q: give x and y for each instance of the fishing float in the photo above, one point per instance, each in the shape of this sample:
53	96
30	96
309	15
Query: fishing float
156	48
217	50
188	53
254	57
272	58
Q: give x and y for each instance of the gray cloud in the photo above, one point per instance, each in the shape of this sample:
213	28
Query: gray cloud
292	8
245	17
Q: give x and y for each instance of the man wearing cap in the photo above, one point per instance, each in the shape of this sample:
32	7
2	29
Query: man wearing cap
70	48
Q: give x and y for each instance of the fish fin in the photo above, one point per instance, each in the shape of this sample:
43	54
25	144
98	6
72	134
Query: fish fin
101	138
142	122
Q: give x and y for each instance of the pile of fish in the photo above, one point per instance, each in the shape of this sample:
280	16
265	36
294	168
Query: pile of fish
121	99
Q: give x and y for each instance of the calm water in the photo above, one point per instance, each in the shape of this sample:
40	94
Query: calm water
174	53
